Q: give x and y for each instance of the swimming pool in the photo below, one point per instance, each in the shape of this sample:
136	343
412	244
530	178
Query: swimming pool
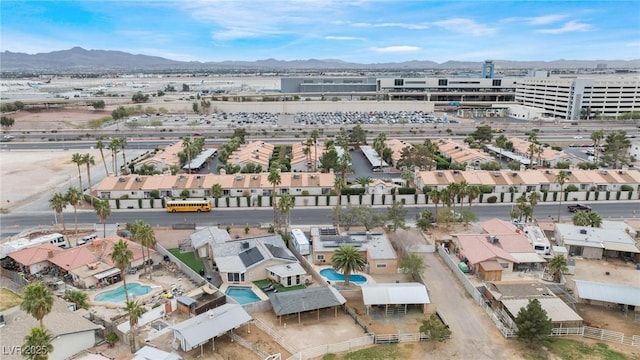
243	295
117	294
331	274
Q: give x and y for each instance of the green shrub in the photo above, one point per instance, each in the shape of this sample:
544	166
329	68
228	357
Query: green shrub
571	188
597	194
305	193
608	195
486	189
502	197
492	199
139	203
184	193
426	189
117	203
626	188
154	194
124	197
352	191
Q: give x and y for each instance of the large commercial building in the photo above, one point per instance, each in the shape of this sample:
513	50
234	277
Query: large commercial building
579	97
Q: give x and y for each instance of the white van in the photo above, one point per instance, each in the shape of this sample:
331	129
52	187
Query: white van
87	239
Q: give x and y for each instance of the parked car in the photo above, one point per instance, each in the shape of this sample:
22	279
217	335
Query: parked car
579	207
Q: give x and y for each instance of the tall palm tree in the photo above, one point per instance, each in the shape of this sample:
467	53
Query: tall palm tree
89	161
307	150
435	199
561	179
100	146
539	152
114	145
78	297
121	257
135	311
501	142
123	143
58	202
142	233
186	144
532	149
473	192
463	191
275	180
364	180
534	199
597	137
217	190
314	135
347	260
103	210
74	196
37	301
286	202
78	160
37	344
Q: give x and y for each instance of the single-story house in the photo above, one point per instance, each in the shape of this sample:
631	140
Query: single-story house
594	243
558	311
374	245
201	240
36	259
72	333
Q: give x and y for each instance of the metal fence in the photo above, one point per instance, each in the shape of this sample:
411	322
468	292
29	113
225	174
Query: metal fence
248	345
274	334
318	351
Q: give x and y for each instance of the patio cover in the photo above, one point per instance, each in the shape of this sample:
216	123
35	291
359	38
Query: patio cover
612	293
297	301
394	294
208	325
557	310
104	274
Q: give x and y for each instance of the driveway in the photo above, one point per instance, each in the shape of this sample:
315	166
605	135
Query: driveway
473	334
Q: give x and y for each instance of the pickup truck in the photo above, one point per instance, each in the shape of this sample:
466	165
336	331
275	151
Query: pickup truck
579	207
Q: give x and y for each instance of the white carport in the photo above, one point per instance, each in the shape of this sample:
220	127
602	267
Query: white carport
395	296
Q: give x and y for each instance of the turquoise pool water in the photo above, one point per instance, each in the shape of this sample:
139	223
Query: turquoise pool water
331	274
117	294
242	295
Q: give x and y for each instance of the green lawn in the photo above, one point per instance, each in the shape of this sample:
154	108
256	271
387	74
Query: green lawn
378	352
8	299
189	258
262	283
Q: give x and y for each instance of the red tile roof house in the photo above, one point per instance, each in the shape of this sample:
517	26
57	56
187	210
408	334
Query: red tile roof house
36	259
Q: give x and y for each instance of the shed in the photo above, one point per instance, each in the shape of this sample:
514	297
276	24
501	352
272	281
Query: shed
186	305
394	297
198	330
558	311
306	300
609	294
490	271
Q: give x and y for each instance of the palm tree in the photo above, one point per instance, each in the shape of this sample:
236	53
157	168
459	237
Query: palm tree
307	150
88	160
501	142
597	137
78	160
58	202
123	143
363	181
435	199
473	192
103	210
73	196
539	152
595	220
37	301
37	344
135	311
100	146
286	202
581	219
78	297
217	190
463	191
186	143
314	136
557	265
561	178
121	257
347	259
275	180
114	145
142	233
534	198
532	149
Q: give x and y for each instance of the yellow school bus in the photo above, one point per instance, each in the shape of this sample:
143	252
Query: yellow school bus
188	205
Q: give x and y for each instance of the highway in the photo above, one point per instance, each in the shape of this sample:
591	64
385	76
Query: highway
13	223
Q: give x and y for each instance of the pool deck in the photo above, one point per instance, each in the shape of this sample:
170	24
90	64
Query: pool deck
259	293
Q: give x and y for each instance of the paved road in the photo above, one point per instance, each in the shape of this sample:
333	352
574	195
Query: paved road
17	221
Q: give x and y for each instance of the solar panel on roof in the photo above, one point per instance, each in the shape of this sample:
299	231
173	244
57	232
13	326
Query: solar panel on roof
278	252
251	256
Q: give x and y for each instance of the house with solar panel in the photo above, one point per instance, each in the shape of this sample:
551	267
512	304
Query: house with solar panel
243	261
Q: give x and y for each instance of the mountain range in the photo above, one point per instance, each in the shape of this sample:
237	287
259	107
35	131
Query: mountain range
78	59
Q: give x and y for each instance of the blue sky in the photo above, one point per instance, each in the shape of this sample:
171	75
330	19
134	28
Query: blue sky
364	31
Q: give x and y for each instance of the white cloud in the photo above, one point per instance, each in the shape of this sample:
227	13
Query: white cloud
465	26
571	26
633	44
537	20
343	38
388	25
395	49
